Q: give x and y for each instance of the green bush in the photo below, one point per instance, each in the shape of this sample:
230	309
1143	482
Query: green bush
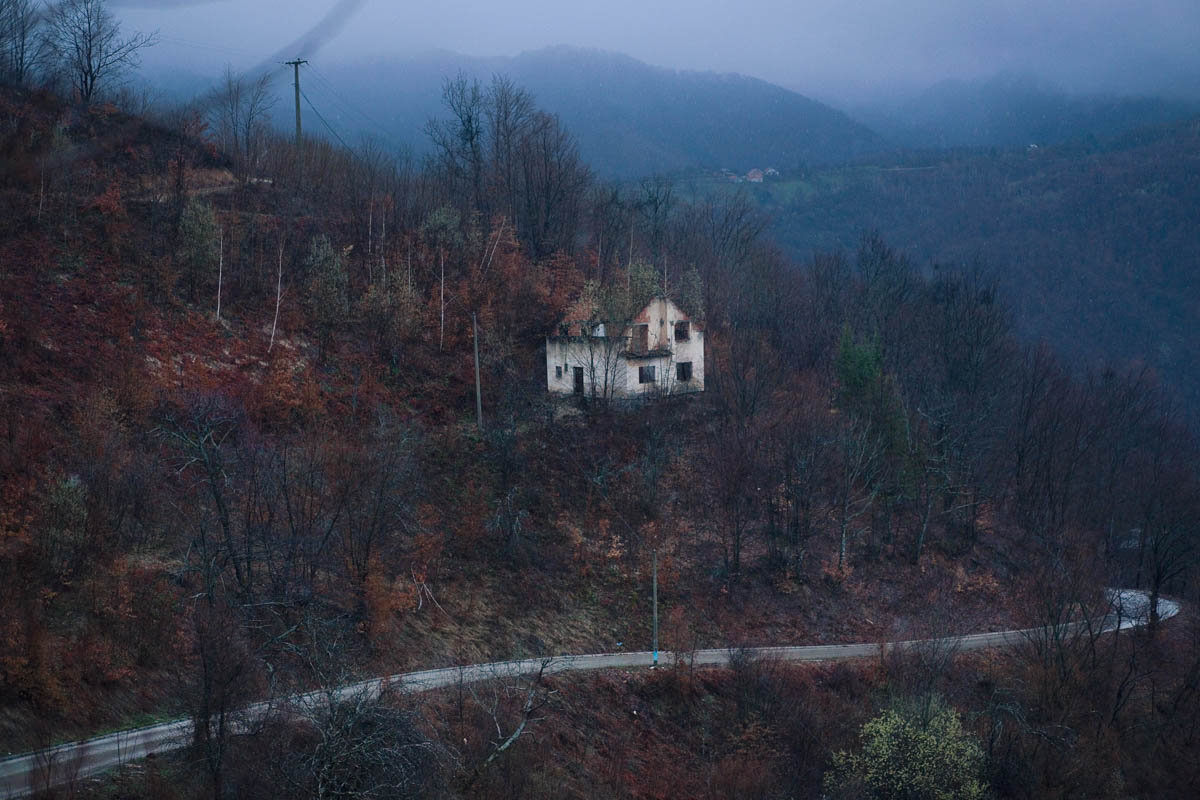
903	759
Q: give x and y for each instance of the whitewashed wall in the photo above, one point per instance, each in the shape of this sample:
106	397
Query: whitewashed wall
609	371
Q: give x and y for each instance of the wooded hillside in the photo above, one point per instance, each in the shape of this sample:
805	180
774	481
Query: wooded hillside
238	456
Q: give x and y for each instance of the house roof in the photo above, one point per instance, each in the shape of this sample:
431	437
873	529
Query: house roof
585	310
644	315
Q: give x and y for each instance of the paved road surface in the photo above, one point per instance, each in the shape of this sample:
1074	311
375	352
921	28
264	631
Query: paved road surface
58	766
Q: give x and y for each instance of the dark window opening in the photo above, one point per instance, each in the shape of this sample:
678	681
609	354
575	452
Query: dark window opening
579	380
682	331
683	371
558	373
641	338
645	374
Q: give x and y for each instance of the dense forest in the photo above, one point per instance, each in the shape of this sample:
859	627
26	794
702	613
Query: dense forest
1016	110
1092	243
239	458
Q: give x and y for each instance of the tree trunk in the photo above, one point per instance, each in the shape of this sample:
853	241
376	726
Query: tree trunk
924	528
220	269
278	298
442	303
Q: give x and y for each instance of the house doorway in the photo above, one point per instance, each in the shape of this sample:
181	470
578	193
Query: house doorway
578	380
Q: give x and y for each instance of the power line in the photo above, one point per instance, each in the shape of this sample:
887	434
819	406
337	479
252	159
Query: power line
345	104
232	51
331	94
325	122
328	84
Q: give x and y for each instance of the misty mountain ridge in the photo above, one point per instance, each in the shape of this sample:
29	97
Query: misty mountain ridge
631	119
1015	109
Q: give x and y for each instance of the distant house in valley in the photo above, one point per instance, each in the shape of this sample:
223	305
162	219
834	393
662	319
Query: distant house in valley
660	351
755	176
771	172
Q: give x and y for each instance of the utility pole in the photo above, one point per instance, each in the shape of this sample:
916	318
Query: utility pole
478	390
655	604
295	65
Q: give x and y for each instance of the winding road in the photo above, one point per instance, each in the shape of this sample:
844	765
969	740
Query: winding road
24	774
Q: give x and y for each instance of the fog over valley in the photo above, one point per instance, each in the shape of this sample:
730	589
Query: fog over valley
843	52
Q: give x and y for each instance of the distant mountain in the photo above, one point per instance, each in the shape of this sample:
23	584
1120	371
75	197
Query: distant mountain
1010	110
631	119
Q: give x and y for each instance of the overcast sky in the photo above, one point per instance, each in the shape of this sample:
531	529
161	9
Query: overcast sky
834	49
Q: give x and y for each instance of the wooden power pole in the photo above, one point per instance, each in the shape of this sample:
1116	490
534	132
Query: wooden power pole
655	604
295	65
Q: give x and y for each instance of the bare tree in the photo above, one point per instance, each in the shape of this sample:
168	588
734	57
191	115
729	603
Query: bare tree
601	359
358	746
442	230
859	449
799	459
1068	610
737	486
239	113
928	447
497	153
610	222
22	48
509	111
655	204
361	740
719	237
203	433
509	707
223	683
382	500
459	141
554	180
1169	499
87	40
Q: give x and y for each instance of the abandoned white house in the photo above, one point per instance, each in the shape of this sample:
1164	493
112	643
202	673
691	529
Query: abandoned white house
660	351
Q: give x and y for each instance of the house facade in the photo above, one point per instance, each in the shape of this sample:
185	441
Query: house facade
660	351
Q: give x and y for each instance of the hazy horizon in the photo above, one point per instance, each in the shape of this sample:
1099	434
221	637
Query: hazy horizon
861	54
